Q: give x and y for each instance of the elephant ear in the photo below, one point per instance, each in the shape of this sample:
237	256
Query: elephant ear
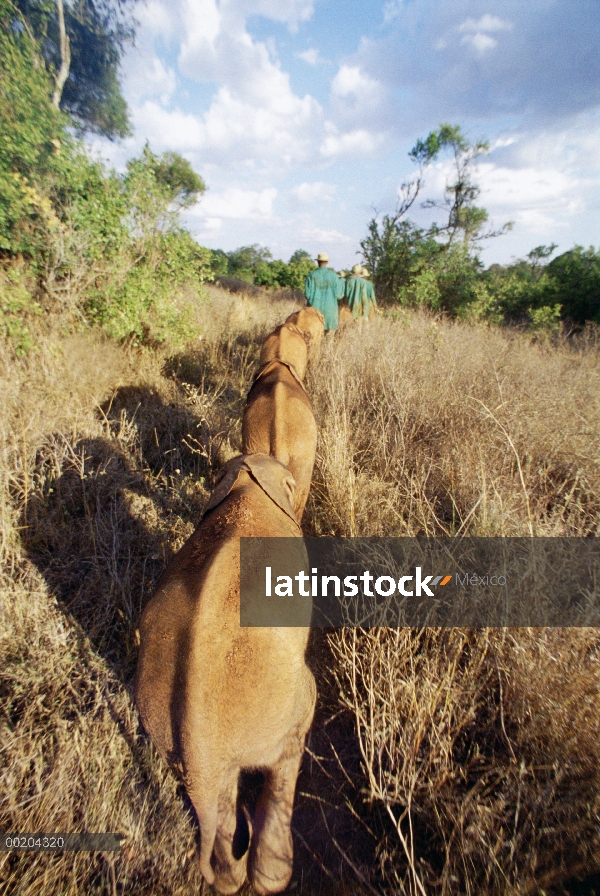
225	480
275	480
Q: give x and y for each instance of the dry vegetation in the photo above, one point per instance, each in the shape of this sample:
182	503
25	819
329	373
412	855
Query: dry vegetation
440	762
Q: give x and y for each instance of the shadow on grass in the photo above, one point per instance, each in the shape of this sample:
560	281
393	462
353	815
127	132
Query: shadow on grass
108	512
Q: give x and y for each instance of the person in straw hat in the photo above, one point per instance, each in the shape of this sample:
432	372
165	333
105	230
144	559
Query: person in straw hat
322	289
357	294
371	305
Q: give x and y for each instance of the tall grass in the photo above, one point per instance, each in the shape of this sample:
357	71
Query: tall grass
480	749
439	762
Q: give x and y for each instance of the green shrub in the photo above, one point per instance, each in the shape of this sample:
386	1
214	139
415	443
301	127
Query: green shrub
34	144
574	282
107	247
546	319
16	306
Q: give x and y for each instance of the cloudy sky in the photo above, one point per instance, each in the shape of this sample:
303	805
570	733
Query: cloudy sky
300	114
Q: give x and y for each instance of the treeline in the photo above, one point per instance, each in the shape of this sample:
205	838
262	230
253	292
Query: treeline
74	236
439	267
255	264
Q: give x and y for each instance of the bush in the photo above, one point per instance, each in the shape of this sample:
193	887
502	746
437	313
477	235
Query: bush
107	248
574	282
34	145
255	265
16	305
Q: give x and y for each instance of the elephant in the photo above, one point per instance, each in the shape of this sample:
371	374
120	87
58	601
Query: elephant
217	698
278	418
345	317
311	323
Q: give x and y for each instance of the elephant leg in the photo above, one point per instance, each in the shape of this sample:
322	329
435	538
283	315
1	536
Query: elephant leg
232	840
272	852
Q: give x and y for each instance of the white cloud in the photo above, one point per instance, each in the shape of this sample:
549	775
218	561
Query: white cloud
485	23
350	81
357	100
311	56
476	32
480	42
317	191
533	222
325	236
289	12
213	224
501	142
254	116
168	129
391	10
529	188
234	132
358	142
154	17
143	73
236	203
151	79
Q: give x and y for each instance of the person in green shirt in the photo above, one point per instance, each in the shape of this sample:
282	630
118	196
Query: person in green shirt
370	294
322	289
356	294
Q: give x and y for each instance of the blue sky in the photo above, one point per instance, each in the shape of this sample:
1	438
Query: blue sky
300	114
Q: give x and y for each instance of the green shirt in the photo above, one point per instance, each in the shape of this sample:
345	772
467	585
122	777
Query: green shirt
322	289
359	295
370	296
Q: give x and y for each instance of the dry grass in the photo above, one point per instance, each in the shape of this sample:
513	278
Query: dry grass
436	428
439	762
481	749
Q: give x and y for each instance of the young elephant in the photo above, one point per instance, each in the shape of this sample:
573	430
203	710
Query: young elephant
278	418
217	698
345	317
311	324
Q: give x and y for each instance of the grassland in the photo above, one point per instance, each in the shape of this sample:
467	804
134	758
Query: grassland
440	762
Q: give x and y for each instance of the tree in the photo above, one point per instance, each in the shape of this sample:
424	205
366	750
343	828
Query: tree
244	262
271	274
574	283
32	135
397	251
301	255
219	262
538	255
464	217
82	44
541	293
179	178
158	187
298	269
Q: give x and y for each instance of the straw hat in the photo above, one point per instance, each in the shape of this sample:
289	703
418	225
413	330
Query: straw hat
365	271
342	273
357	269
322	256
